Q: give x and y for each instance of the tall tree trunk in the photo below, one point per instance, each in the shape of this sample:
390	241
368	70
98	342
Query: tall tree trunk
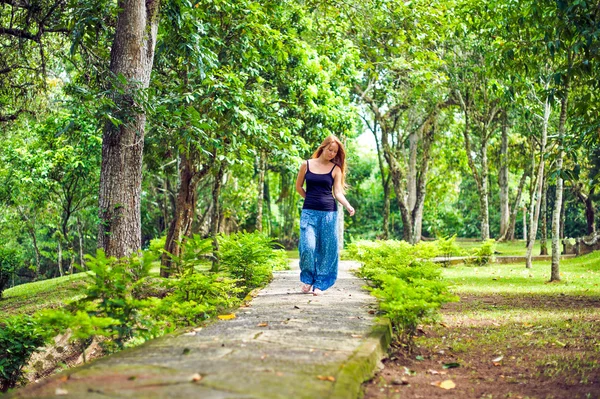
38	256
216	215
131	57
525	224
503	181
590	211
535	209
590	215
427	136
80	235
412	218
558	201
398	177
60	258
386	209
481	178
484	194
515	208
268	202
385	183
185	211
411	175
262	166
544	226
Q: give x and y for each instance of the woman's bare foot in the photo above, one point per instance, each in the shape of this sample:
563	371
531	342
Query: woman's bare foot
306	288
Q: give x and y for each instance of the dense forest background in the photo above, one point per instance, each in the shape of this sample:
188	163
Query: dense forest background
468	118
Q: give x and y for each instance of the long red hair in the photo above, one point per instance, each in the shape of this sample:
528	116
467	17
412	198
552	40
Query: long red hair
340	157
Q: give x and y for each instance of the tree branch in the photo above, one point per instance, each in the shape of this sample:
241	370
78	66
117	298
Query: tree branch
19	33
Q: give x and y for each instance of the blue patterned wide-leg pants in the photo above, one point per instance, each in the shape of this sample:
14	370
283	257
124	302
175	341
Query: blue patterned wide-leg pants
318	248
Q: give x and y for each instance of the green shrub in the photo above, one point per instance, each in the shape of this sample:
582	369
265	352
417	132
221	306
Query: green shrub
410	303
280	260
483	255
109	293
447	248
196	254
409	287
197	297
20	336
247	257
9	262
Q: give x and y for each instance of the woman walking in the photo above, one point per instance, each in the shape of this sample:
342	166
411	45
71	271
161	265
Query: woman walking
324	175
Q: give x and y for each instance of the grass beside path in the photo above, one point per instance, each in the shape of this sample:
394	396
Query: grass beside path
512	335
509	248
31	297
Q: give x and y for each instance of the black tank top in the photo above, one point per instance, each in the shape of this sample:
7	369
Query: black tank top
319	194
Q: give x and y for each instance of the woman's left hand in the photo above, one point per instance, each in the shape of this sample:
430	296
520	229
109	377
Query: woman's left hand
350	210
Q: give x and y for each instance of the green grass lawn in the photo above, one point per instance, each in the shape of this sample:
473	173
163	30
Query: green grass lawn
52	293
292	254
512	335
580	276
516	248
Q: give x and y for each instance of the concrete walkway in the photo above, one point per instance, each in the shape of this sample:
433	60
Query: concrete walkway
284	345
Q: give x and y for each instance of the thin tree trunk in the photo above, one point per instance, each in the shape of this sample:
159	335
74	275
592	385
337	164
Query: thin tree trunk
558	202
481	179
590	212
590	215
60	256
503	182
80	235
385	182
427	136
544	226
484	197
525	224
515	208
386	209
411	175
261	190
185	210
535	212
216	215
131	58
38	256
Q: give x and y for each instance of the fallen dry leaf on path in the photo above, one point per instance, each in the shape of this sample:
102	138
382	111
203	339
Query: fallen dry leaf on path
262	324
196	377
447	384
226	316
326	378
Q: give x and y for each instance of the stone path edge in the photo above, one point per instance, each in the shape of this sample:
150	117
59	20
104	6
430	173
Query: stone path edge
363	363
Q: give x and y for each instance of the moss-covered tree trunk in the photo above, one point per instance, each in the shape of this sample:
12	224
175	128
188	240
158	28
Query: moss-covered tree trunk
185	210
131	58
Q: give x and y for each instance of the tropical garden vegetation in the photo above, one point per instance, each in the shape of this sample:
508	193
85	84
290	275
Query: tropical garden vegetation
157	144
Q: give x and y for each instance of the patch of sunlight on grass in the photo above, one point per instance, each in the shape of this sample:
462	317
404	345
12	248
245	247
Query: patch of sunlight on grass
515	248
580	276
52	293
42	286
292	254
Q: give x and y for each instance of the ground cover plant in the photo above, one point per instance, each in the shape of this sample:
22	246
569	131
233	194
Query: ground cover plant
405	280
511	335
122	302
